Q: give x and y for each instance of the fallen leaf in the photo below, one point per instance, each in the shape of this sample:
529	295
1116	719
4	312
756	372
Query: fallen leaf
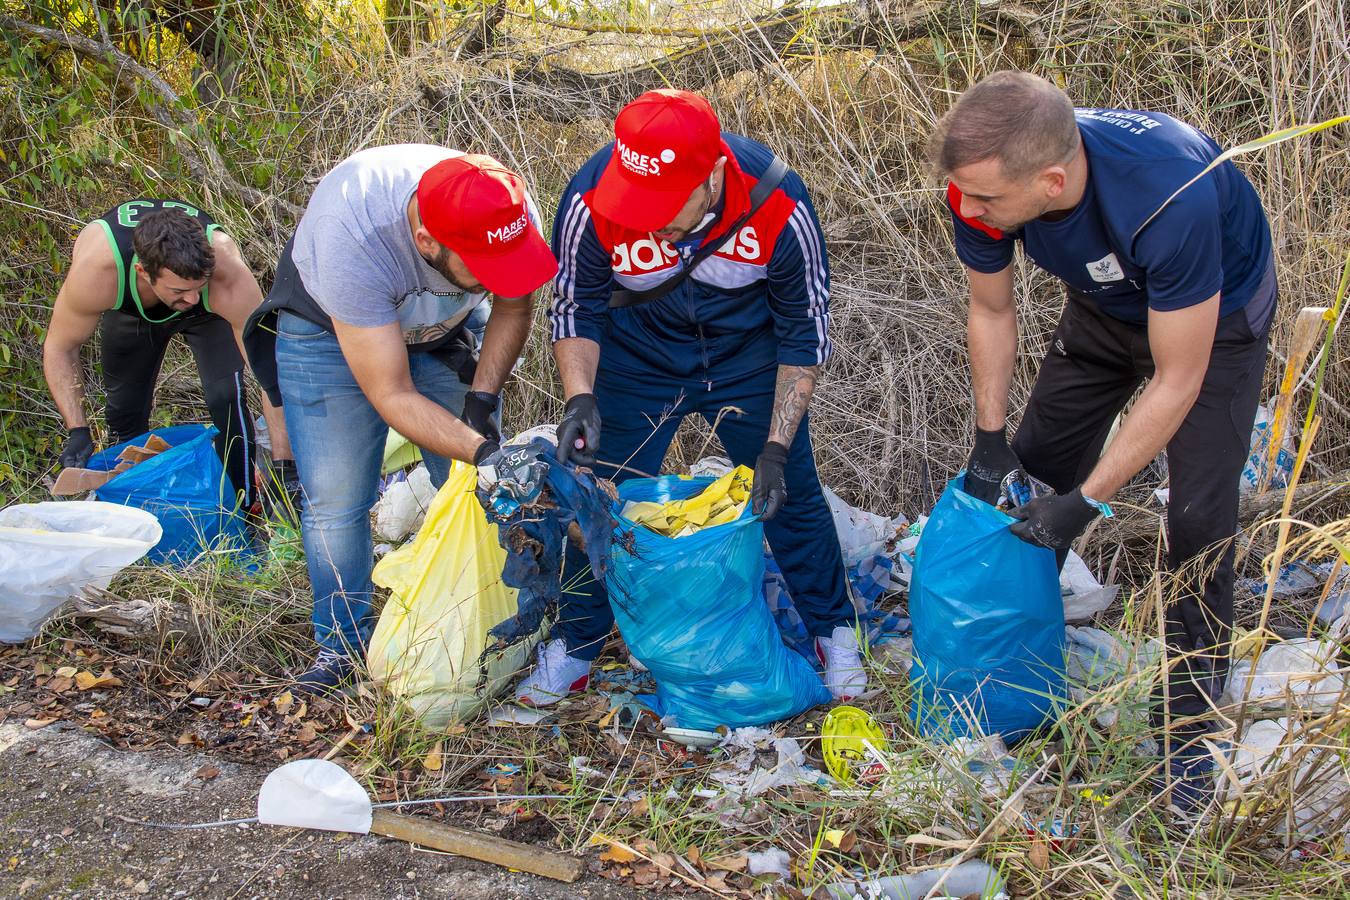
88	681
206	772
617	853
1039	854
664	861
40	669
645	875
729	863
717	883
432	761
13	863
188	738
38	723
694	856
140	887
834	837
641	807
97	714
67	831
937	842
284	702
66	672
60	684
28	885
306	733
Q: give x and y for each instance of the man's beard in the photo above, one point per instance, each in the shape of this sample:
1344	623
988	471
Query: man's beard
441	263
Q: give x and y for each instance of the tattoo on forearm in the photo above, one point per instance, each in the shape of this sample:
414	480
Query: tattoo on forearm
791	397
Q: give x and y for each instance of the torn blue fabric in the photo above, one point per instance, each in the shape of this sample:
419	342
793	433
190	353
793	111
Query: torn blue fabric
533	501
869	578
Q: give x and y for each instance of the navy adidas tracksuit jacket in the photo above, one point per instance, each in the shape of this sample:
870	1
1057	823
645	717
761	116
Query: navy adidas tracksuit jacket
716	341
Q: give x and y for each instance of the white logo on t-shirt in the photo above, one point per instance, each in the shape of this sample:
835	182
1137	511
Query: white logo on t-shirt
1106	269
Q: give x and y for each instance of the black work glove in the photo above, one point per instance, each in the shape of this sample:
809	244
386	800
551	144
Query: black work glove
478	409
485	449
282	494
581	423
1054	520
770	488
991	459
79	447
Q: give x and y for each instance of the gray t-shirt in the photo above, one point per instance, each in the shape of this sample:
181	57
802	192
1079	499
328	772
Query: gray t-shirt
355	253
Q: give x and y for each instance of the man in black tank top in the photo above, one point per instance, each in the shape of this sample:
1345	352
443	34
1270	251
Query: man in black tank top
142	273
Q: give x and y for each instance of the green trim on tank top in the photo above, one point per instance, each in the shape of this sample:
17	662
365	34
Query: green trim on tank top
136	291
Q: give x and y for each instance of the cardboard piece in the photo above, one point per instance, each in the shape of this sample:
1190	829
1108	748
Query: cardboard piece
79	481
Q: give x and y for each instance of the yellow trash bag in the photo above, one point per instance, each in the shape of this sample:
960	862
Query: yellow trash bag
446	592
723	501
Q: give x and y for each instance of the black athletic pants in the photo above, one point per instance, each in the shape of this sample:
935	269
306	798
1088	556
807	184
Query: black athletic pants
133	350
1094	365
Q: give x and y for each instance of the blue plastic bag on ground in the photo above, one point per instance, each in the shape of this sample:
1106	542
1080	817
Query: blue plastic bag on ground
988	624
185	487
692	610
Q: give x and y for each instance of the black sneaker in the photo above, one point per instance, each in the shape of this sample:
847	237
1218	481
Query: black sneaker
328	675
1190	779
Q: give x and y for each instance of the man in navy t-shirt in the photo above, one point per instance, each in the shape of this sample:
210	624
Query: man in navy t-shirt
1170	281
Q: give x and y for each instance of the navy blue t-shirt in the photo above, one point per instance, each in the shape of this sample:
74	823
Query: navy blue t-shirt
1213	238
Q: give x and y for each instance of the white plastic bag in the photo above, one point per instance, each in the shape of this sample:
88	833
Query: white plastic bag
1302	672
404	505
50	552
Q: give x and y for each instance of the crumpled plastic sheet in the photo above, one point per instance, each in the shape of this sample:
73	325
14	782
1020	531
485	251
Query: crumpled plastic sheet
533	501
869	578
1302	672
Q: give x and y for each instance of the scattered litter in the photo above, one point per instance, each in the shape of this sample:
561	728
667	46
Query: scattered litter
1083	594
1269	744
1304	672
743	779
502	770
50	552
1299	577
694	739
316	793
972	878
854	746
404	506
1258	461
773	861
515	715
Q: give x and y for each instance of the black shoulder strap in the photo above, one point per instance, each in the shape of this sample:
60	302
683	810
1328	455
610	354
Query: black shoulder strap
763	189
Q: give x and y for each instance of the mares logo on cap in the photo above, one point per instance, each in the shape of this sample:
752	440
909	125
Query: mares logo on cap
509	232
641	163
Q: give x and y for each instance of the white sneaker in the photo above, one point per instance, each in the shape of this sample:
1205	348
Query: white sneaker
844	673
555	676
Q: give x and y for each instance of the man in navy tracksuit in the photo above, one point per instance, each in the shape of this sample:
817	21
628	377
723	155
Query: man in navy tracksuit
1170	280
748	329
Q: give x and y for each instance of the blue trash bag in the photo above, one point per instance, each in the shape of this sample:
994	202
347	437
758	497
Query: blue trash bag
185	487
988	624
692	610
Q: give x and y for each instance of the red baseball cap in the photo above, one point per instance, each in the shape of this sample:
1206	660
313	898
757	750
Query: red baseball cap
476	206
666	143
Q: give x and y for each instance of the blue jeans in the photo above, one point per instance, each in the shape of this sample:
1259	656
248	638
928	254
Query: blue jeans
338	439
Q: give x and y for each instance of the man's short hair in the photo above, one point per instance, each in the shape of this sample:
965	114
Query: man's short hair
171	239
1020	119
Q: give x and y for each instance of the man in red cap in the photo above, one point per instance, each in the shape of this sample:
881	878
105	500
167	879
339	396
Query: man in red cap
367	330
682	289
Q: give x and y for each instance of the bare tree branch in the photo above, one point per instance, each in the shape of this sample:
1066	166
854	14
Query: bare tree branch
201	155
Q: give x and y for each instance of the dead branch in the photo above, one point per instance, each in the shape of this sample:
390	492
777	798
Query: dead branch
203	158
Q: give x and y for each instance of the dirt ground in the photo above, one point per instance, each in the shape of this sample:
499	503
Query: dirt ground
65	796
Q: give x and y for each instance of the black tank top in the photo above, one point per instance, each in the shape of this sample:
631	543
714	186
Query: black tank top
118	224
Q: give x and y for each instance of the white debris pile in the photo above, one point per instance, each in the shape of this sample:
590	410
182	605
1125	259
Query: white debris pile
1302	673
404	505
1319	787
